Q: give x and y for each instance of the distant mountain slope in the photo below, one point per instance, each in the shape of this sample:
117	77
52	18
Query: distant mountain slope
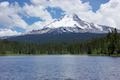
65	37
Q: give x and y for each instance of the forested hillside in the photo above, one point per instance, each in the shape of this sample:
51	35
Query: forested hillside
56	37
108	45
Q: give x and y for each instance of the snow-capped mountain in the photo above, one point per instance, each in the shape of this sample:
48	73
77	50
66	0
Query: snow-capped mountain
71	24
67	29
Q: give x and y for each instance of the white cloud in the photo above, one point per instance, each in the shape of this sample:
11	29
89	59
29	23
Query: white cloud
5	4
37	25
9	16
37	11
110	13
8	32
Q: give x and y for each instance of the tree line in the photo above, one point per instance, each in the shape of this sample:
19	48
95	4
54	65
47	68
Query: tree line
108	45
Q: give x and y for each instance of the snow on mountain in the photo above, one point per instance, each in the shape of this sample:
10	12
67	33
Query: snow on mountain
71	23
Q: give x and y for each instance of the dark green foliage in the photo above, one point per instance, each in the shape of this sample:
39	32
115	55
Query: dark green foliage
108	45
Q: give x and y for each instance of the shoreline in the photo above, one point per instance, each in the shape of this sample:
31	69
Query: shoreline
94	55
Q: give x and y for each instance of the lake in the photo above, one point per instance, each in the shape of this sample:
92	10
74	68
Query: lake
56	67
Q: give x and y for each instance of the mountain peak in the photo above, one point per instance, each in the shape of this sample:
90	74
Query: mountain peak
72	23
76	18
65	21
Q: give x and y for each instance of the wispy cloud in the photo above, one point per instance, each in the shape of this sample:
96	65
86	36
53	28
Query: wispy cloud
8	32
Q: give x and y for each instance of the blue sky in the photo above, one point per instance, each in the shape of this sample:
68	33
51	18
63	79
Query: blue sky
27	18
21	2
55	12
96	3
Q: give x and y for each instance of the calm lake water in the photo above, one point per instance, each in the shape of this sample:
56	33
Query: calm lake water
59	68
